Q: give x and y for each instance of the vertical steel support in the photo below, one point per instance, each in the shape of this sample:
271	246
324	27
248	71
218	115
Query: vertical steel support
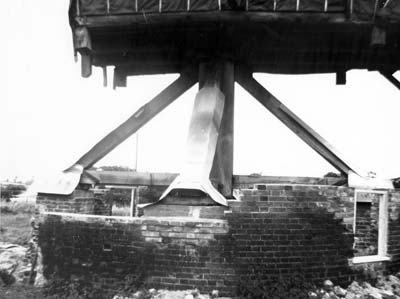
222	171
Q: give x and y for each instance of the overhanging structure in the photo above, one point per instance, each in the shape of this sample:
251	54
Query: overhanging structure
217	43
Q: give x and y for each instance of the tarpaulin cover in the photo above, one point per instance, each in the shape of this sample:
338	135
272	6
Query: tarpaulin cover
147	6
367	9
204	5
174	5
122	6
362	9
261	5
93	7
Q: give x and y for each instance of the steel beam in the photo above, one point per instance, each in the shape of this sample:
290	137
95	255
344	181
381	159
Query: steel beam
185	81
300	128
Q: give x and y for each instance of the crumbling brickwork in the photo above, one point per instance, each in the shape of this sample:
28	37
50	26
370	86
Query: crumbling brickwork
393	245
80	202
272	232
111	252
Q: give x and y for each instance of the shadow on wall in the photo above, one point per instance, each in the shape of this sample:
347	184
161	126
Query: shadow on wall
94	262
280	255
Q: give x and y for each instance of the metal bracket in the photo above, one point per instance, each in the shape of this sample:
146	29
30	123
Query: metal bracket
63	183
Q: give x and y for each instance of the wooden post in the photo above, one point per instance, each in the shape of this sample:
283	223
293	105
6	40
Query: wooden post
222	170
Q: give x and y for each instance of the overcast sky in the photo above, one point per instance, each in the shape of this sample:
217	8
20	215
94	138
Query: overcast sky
50	116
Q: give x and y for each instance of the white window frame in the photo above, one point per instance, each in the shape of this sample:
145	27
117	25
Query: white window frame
382	227
134	192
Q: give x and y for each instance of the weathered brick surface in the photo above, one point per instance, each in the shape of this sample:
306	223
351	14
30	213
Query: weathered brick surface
393	245
80	202
366	236
272	232
278	230
173	253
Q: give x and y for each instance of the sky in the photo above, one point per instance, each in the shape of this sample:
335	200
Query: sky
50	116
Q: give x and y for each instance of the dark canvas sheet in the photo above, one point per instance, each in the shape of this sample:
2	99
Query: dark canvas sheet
122	6
391	11
204	5
261	5
174	5
148	6
286	5
362	9
365	9
93	7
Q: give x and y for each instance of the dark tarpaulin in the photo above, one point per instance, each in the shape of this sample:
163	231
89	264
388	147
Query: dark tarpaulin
122	6
174	5
336	5
261	5
204	5
386	10
365	9
312	5
286	5
391	11
93	7
233	4
148	6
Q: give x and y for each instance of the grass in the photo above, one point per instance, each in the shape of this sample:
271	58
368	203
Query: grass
15	219
21	292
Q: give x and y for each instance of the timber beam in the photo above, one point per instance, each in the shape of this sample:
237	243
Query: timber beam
133	178
185	81
245	78
392	79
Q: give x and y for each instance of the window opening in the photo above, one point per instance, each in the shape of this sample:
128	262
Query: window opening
370	225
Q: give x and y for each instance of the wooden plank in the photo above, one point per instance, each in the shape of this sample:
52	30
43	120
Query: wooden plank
127	178
131	178
138	119
294	123
260	17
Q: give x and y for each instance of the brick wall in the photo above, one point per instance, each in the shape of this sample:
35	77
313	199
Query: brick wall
393	246
110	252
273	232
279	230
366	234
80	202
